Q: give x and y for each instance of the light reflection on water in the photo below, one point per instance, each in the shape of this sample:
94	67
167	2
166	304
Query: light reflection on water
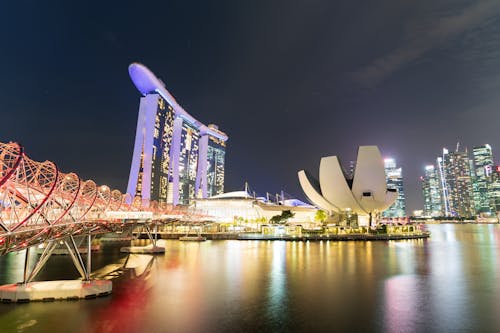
447	283
277	289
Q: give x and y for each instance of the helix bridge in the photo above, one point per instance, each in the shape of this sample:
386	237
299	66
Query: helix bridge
40	204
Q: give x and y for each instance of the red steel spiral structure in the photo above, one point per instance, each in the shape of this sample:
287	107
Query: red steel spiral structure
39	203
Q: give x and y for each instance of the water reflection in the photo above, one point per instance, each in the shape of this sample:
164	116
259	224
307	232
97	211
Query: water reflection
400	307
447	283
277	289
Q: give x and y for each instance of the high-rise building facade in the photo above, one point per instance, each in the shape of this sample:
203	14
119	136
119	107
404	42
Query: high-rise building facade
188	162
215	168
350	170
151	160
394	177
432	193
443	188
483	168
457	174
171	161
495	189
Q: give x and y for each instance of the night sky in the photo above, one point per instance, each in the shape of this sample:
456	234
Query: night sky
288	81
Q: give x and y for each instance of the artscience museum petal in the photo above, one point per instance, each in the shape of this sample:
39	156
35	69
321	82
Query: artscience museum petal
334	185
364	194
314	194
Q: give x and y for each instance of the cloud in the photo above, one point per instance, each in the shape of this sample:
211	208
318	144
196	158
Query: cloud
423	39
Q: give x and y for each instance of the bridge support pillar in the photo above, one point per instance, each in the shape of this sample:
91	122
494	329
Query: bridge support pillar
27	290
153	248
26	265
89	254
77	258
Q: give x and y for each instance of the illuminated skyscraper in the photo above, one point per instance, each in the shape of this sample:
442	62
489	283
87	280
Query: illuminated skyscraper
482	184
170	162
394	178
215	165
457	184
432	193
495	189
151	160
350	169
443	188
187	162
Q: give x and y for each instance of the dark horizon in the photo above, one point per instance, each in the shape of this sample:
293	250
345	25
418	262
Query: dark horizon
288	82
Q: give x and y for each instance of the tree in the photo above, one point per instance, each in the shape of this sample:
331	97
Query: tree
281	219
287	214
320	216
275	219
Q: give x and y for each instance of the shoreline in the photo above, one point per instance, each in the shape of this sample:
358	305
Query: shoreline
350	237
330	237
458	222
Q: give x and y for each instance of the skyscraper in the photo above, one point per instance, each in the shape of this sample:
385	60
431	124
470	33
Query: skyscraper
431	191
495	189
216	152
455	179
443	188
151	160
482	180
394	177
171	161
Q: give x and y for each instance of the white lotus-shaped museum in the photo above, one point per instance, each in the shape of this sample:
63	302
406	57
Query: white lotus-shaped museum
365	194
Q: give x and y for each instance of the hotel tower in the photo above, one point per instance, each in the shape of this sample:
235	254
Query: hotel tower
176	158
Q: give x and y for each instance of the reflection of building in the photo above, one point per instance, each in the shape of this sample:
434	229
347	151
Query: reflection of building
432	193
394	178
174	159
366	195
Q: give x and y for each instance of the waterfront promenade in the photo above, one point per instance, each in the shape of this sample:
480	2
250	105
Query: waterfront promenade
212	231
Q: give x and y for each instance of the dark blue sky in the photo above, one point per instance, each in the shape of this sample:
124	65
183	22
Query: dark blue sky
289	81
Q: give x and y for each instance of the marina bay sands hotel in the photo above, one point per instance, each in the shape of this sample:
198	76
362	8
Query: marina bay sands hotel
176	158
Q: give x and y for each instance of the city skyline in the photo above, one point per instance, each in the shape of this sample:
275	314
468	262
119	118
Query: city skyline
462	184
288	83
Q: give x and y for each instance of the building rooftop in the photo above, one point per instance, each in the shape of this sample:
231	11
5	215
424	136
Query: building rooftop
147	82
